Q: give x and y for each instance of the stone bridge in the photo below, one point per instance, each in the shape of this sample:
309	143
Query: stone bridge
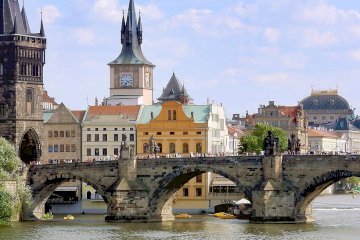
280	188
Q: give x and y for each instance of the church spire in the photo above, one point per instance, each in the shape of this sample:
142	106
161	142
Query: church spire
42	31
25	20
131	39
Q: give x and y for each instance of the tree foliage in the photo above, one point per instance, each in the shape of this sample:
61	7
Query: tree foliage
7	206
254	142
9	161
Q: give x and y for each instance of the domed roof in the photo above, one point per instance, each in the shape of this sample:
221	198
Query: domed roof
319	100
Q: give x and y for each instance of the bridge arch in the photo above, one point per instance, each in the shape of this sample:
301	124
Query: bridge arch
43	189
161	197
313	189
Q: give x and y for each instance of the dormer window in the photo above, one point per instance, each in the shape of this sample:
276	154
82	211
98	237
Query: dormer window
316	102
332	102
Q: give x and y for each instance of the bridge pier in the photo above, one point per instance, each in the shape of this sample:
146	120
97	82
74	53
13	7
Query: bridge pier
274	200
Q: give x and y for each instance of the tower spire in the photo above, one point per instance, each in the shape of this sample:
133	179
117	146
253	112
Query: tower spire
123	28
42	31
139	29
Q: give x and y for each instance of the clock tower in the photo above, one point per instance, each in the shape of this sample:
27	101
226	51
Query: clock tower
131	74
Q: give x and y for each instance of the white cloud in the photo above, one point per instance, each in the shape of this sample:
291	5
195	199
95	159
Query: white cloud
50	14
84	36
273	78
272	35
243	9
355	54
193	18
150	11
314	38
108	10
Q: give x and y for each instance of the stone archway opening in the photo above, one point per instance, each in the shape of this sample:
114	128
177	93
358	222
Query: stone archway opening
30	149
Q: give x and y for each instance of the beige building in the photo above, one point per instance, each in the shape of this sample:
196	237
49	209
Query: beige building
103	128
291	119
326	142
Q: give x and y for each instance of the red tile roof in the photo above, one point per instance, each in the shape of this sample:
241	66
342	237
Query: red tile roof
322	133
79	114
131	111
234	129
47	98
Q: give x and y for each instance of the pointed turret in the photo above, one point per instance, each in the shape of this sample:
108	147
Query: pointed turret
174	91
25	20
139	29
42	31
123	29
131	39
14	31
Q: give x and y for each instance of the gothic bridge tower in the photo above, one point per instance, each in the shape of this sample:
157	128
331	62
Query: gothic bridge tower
22	57
131	74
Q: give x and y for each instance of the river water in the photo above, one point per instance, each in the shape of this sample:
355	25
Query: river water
336	217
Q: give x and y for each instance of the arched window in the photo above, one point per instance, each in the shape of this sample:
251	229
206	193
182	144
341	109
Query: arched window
174	115
185	148
145	148
169	114
172	148
88	195
198	148
160	147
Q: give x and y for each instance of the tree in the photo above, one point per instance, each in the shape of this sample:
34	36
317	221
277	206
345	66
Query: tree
9	161
254	142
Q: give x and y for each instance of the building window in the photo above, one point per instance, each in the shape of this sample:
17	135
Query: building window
116	151
198	133
185	133
332	102
198	192
73	147
96	152
88	152
145	148
116	137
88	137
104	137
56	134
62	148
50	148
88	129
56	148
104	129
158	133
67	148
185	192
169	114
29	100
132	137
124	129
160	147
172	133
96	137
172	148
146	133
174	115
199	179
50	134
104	152
323	117
3	110
185	148
62	134
131	129
198	148
67	134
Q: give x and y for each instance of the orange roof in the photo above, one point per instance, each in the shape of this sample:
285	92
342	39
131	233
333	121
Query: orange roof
322	133
131	111
234	129
290	111
46	98
79	114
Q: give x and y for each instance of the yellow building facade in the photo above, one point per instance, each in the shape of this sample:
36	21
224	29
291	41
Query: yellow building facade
179	131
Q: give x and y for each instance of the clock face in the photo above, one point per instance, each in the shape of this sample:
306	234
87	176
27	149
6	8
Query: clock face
126	80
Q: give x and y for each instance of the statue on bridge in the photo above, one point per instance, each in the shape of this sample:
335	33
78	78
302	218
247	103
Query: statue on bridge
294	145
271	145
153	147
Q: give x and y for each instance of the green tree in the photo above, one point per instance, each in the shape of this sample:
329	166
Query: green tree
254	142
7	207
9	161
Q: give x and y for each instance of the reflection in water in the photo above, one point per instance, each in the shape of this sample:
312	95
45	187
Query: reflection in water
340	222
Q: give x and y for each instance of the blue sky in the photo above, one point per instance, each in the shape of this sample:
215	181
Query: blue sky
238	53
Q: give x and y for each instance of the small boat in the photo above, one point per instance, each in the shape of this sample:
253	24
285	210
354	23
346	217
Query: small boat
183	215
224	215
69	217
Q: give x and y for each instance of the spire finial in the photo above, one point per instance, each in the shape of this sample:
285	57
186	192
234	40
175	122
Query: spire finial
42	31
